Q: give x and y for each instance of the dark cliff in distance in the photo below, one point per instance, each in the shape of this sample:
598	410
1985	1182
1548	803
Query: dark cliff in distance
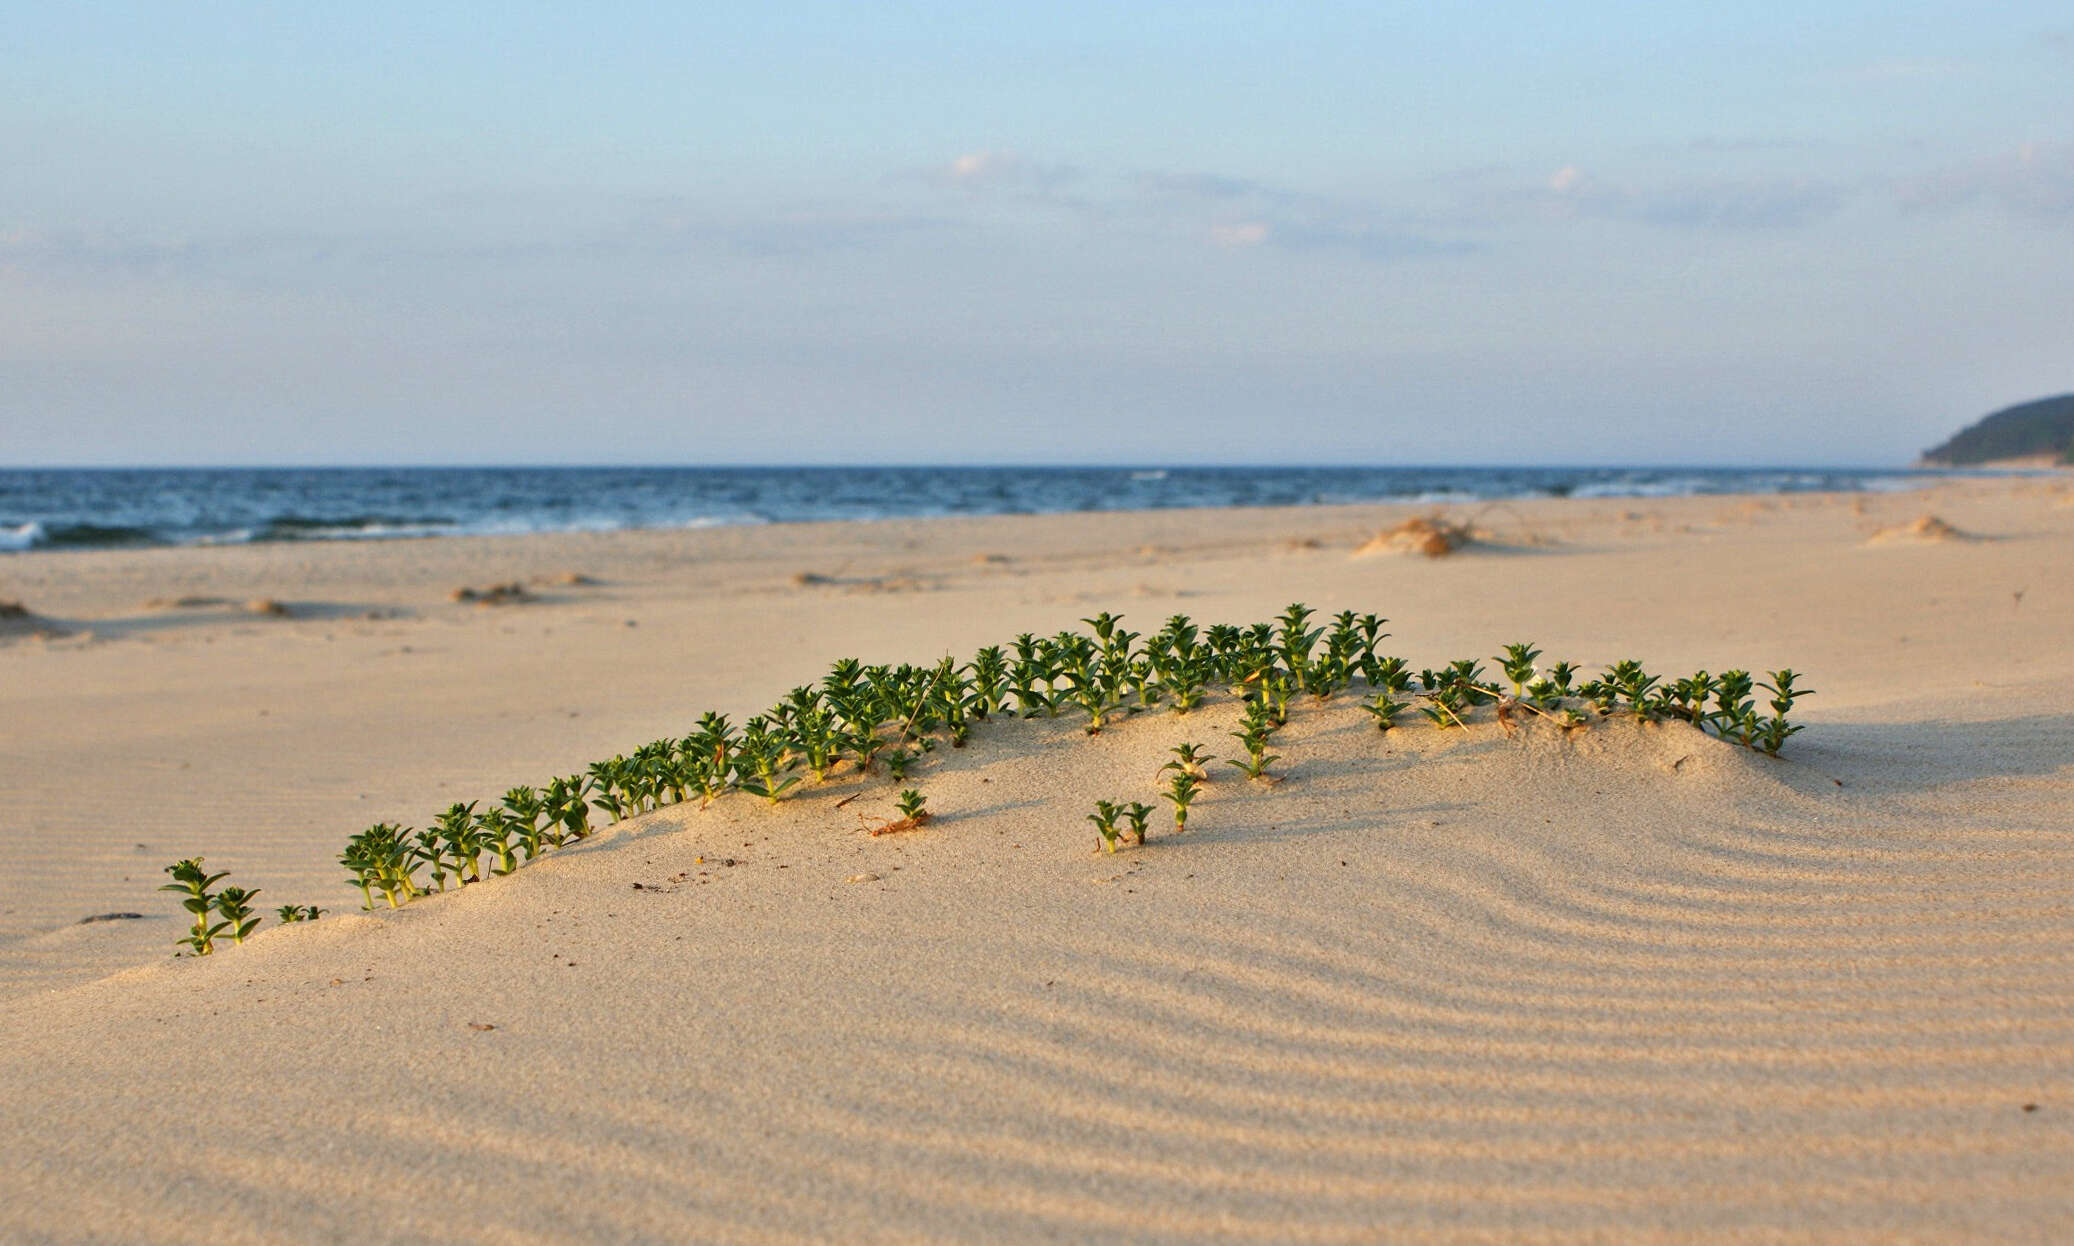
2031	430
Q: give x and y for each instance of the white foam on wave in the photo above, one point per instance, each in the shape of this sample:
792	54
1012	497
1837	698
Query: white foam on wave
21	536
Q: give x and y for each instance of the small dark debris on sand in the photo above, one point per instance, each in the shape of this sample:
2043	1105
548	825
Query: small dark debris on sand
110	917
493	595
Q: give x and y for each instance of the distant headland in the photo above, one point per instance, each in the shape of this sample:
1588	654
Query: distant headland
2030	434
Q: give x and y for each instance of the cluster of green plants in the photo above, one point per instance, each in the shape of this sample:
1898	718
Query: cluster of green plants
213	913
862	718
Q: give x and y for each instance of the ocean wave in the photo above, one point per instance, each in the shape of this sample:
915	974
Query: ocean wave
350	527
54	509
36	535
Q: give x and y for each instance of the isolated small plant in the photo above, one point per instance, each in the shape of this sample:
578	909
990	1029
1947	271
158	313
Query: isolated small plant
192	883
899	761
1255	741
1385	710
1189	759
914	814
235	904
288	913
1181	791
1104	817
1134	816
1773	732
1253	734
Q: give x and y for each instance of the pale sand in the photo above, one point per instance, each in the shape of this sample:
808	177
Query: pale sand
1630	986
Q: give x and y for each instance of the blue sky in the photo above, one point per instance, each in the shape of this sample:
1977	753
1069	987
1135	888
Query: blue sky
1814	233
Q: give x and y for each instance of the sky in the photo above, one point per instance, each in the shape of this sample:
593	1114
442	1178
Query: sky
1764	233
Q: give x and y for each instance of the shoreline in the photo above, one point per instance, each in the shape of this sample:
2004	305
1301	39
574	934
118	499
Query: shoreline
373	504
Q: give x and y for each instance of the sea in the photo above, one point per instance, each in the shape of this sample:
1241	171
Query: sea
52	509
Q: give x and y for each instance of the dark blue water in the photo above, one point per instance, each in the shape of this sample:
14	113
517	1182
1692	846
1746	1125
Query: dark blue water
57	509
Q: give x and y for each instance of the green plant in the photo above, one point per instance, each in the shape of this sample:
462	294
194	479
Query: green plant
1254	737
1104	817
429	848
381	859
191	882
1134	815
1181	790
1385	710
606	794
298	913
460	836
566	806
860	713
1294	641
1773	732
766	761
1518	662
235	905
522	810
1189	759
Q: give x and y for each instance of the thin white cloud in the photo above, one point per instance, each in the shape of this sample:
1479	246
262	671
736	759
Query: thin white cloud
1241	234
2034	179
1737	203
1003	171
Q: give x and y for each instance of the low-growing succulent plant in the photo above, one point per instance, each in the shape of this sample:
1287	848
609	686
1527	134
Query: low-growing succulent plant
1254	738
1134	815
460	836
1518	663
860	714
1181	790
192	883
235	904
899	760
297	913
1189	759
1104	817
381	860
1385	710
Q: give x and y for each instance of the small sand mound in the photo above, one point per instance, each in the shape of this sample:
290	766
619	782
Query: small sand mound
1432	536
1924	527
493	595
266	606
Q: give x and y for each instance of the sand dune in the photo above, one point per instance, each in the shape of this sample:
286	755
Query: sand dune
1628	984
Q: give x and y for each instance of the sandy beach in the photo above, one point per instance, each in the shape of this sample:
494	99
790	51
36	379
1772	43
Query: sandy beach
1628	984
